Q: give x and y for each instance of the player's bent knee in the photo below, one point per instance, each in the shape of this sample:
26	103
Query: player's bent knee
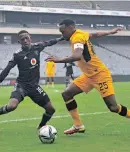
67	95
71	105
113	109
69	100
12	105
51	111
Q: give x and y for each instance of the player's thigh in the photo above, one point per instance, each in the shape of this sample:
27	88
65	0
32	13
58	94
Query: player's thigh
103	83
83	83
18	93
39	96
72	90
79	85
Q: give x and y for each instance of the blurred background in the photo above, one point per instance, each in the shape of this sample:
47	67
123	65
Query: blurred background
40	19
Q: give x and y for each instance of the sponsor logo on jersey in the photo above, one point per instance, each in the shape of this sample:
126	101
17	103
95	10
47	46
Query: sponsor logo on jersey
33	61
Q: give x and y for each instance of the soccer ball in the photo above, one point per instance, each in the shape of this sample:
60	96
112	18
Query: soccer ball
47	134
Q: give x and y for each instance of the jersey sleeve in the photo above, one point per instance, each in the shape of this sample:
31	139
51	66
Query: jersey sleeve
41	45
7	69
38	46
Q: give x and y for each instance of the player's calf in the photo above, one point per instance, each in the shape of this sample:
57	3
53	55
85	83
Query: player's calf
52	82
71	106
113	108
11	106
116	108
121	110
69	100
47	115
47	81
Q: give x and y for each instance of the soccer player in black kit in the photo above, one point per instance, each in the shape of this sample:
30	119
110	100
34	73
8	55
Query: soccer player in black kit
69	72
27	60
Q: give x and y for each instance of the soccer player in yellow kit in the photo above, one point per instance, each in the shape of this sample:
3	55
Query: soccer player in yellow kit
95	73
50	70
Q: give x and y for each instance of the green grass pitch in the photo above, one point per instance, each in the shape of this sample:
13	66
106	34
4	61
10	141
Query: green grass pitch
104	132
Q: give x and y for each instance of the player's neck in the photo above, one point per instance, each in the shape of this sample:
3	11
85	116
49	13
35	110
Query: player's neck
73	31
26	48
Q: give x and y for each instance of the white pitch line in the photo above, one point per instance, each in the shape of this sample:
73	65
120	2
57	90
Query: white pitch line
37	118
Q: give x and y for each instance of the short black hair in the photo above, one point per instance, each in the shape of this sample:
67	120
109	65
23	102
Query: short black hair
67	22
22	31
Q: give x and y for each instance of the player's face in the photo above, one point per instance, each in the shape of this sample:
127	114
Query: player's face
25	40
66	32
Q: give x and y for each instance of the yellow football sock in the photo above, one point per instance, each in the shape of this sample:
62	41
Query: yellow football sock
76	118
53	84
120	108
48	83
128	114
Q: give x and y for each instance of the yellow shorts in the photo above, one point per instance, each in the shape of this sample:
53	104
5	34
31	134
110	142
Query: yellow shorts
50	75
101	81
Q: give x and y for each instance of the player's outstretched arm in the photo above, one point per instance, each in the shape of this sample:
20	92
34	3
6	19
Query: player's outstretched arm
41	45
100	34
53	41
76	56
7	69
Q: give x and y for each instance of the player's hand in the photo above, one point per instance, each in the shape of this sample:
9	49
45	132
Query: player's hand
53	58
115	30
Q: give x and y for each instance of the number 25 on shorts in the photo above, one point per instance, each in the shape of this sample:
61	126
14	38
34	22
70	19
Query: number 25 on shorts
103	86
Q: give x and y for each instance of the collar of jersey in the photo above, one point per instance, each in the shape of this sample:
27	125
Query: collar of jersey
76	31
27	50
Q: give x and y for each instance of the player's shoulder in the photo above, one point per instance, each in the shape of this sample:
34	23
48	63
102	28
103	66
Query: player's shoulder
82	33
79	32
78	36
37	45
18	51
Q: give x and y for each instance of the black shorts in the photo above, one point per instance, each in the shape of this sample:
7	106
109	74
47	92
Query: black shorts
36	93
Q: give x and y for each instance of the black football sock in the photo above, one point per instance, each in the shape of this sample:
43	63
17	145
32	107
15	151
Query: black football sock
4	110
45	118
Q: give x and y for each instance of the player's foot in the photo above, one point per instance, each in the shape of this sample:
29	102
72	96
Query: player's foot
38	129
75	129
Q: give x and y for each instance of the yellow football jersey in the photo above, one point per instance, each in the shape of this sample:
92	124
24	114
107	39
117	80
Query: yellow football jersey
89	64
50	67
